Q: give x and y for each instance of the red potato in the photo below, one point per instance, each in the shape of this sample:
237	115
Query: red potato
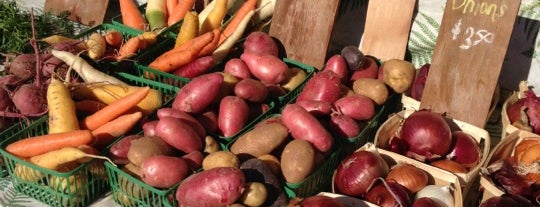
303	125
317	108
199	93
195	68
338	65
162	171
369	70
219	186
238	68
267	68
262	43
120	149
323	86
179	134
233	115
149	128
344	126
194	160
164	112
209	120
356	106
251	90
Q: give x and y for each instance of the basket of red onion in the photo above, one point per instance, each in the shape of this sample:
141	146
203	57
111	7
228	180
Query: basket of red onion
439	141
511	171
384	178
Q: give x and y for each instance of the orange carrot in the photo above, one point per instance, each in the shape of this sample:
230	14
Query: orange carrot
114	38
89	106
130	48
183	54
114	109
171	4
131	15
37	145
210	47
180	11
248	6
107	133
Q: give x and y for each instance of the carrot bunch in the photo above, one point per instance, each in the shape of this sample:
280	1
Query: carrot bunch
201	36
70	139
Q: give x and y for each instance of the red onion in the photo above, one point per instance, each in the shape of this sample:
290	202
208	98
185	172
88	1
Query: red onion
388	194
510	181
425	202
427	134
321	201
357	171
399	146
464	150
419	82
506	200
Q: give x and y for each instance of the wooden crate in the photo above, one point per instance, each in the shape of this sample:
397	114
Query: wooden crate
469	181
504	149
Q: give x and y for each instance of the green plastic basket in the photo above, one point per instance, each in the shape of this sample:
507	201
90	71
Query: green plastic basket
6	134
129	191
77	187
168	91
291	95
150	74
368	132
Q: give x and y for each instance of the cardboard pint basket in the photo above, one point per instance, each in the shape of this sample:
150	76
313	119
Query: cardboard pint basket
436	176
504	149
467	180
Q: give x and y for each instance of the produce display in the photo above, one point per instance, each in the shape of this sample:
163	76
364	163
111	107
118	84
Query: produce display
176	105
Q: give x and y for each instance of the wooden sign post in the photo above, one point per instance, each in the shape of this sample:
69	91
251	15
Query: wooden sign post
304	28
468	57
387	28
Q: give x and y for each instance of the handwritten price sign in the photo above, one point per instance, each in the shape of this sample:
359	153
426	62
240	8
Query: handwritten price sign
468	57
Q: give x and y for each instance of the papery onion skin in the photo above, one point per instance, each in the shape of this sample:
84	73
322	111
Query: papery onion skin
449	165
513	110
356	172
409	176
427	134
464	149
425	202
532	102
321	201
507	178
379	194
506	200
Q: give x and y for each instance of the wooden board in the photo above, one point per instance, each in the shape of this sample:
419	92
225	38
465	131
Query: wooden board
87	12
387	28
304	28
468	56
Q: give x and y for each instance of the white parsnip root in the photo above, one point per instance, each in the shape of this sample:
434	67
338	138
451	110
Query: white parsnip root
88	73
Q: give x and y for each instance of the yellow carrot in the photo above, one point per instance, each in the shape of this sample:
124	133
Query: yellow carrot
54	159
215	17
62	112
109	93
189	28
